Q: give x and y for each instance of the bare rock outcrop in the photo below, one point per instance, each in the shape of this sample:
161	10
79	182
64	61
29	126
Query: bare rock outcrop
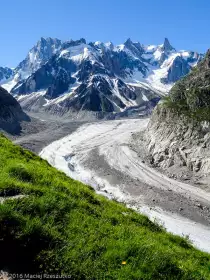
11	113
175	141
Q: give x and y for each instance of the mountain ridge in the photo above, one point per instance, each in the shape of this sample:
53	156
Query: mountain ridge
87	73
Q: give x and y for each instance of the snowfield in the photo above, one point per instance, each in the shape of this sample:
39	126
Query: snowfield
101	155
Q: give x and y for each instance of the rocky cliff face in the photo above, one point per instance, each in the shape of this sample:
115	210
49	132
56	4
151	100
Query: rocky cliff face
178	135
11	113
176	141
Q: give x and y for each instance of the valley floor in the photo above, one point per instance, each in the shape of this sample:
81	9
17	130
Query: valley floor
107	156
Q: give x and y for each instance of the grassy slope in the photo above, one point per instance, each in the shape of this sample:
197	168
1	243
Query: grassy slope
61	225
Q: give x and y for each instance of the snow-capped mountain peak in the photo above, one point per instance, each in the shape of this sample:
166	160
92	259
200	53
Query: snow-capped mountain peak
79	52
41	52
135	47
37	56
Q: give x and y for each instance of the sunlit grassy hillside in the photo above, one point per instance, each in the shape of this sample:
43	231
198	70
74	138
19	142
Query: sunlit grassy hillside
51	223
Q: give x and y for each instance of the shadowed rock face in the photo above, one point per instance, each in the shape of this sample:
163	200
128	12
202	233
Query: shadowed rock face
11	113
5	73
178	69
167	46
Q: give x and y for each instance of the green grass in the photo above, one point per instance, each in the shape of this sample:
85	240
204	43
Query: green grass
190	96
192	113
63	226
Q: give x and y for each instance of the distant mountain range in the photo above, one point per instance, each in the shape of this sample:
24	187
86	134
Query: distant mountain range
74	77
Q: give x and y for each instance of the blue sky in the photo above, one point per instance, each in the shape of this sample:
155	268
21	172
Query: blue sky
186	23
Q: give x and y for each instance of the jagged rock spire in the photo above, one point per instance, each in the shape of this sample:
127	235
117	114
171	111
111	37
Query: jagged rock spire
167	46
